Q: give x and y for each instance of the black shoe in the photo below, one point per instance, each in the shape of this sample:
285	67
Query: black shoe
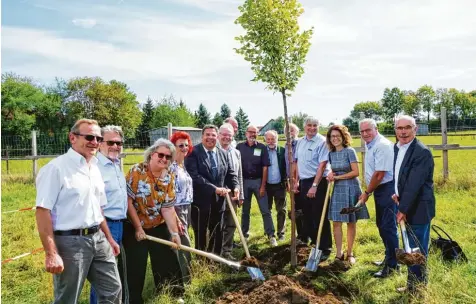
386	271
325	255
280	238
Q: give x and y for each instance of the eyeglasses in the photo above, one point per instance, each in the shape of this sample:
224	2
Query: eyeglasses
89	137
336	136
181	146
111	143
406	128
162	155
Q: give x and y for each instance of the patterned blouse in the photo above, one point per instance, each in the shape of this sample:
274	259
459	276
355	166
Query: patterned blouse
149	194
183	185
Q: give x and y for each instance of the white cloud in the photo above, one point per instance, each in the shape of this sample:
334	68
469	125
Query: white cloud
84	23
358	48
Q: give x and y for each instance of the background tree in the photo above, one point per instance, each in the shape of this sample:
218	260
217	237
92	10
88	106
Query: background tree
426	97
371	109
202	116
146	123
298	119
217	120
225	111
392	103
412	104
168	110
278	125
243	123
277	50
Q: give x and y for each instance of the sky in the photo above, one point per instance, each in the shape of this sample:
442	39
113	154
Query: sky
185	48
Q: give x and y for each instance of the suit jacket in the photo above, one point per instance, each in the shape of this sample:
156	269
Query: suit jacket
280	151
204	185
415	183
239	171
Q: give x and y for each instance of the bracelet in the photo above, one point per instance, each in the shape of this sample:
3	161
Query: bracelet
174	234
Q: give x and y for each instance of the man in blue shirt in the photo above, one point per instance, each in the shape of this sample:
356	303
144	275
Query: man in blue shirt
379	181
276	184
311	157
115	210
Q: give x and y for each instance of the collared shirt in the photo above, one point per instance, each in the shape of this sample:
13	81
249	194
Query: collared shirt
233	143
73	190
183	185
234	157
253	159
379	157
214	153
286	158
115	186
402	150
274	176
309	154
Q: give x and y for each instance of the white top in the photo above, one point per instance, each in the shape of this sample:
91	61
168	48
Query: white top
72	190
379	157
402	150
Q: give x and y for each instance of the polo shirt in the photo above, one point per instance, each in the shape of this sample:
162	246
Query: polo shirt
379	157
253	159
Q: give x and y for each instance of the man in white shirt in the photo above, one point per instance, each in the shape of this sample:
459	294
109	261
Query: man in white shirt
74	234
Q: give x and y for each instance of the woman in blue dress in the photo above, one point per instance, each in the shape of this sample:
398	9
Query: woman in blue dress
345	173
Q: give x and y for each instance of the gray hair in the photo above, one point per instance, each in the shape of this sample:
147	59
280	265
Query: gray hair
161	142
79	122
209	126
111	128
252	126
406	117
272	132
292	126
231	119
370	121
312	120
227	126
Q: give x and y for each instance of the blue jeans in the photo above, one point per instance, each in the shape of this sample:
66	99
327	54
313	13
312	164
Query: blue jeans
386	217
419	236
116	229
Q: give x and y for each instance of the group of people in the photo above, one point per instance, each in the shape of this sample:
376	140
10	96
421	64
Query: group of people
93	221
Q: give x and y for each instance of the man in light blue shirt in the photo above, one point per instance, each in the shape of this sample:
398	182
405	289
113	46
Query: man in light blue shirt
311	157
379	181
115	187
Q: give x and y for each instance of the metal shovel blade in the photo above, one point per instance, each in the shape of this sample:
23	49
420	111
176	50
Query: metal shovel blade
314	259
255	273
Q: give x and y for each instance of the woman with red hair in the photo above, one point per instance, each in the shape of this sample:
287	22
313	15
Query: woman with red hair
183	194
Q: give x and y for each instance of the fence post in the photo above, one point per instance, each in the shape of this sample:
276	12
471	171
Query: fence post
444	141
169	130
34	153
362	146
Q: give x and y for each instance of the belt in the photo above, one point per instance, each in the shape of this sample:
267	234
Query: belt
82	231
254	178
115	221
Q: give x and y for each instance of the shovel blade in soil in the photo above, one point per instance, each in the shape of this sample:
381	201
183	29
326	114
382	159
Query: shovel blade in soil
314	259
255	273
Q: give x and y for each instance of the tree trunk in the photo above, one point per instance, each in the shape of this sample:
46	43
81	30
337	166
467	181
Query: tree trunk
291	182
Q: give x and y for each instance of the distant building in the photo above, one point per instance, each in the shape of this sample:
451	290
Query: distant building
268	126
195	133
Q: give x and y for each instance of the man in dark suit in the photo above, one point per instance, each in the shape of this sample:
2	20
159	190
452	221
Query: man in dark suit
277	177
211	173
413	174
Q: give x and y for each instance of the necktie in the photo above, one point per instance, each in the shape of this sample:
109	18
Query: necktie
214	164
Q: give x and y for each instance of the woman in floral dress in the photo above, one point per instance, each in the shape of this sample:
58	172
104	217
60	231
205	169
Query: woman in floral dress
345	172
151	199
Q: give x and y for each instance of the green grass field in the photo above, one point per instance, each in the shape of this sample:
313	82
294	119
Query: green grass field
25	281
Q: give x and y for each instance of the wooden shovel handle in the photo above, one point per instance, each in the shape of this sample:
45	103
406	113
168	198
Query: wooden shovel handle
238	226
324	213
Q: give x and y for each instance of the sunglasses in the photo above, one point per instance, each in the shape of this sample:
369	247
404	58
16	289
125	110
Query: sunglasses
181	146
111	143
162	155
90	137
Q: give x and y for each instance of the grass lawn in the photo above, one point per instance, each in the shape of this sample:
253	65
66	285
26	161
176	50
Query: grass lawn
25	281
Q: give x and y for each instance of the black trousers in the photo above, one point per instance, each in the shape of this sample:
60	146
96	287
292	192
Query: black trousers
313	209
277	192
164	261
207	220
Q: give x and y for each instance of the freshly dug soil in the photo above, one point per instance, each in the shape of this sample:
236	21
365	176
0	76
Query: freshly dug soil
250	262
275	259
410	259
277	289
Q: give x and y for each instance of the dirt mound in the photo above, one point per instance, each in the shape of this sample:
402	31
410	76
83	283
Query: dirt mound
275	259
410	259
278	289
250	262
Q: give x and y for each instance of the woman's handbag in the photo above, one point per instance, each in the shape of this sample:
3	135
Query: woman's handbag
450	249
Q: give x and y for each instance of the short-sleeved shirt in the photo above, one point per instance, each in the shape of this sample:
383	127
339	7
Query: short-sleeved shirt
253	159
115	187
149	194
73	190
309	154
379	157
183	185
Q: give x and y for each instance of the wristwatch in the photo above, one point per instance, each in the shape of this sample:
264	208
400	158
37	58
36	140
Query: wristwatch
314	185
174	234
368	194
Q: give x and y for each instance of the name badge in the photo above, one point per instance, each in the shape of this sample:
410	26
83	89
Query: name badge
257	152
